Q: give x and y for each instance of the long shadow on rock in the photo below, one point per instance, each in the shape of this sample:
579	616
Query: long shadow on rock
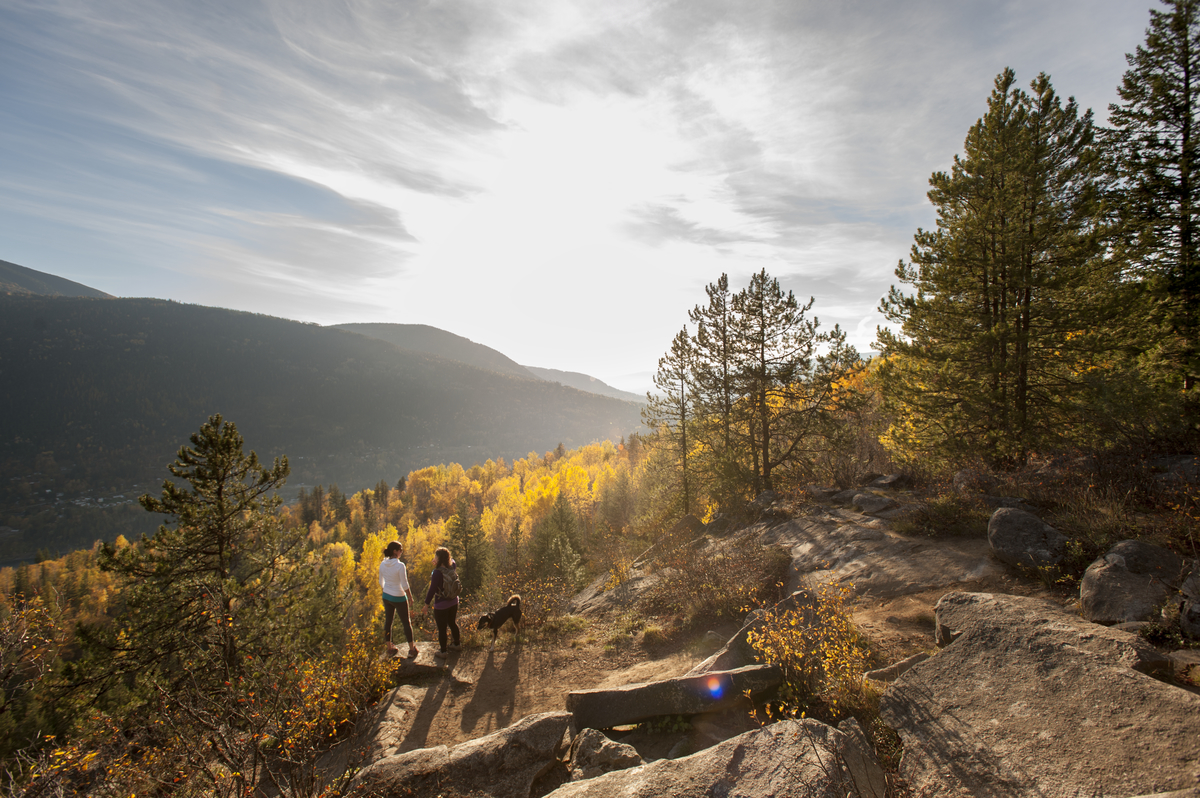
495	695
418	733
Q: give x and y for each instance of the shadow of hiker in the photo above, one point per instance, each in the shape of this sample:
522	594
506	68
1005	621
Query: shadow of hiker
494	699
418	732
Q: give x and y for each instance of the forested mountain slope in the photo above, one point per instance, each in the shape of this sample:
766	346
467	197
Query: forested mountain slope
16	279
98	395
585	382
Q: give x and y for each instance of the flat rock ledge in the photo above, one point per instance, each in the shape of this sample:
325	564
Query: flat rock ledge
1029	699
503	764
684	695
789	759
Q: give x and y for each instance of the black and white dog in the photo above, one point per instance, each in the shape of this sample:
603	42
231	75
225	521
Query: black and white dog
509	612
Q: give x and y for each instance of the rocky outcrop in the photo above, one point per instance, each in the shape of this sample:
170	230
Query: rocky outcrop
685	695
891	482
597	599
1022	539
1028	699
791	758
504	764
836	545
1131	582
593	754
871	503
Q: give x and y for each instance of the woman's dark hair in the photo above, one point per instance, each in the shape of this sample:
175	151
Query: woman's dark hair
395	546
442	554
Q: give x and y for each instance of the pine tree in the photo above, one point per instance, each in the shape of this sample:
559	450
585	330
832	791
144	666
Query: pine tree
995	340
1154	146
670	412
787	388
714	386
554	550
476	555
217	588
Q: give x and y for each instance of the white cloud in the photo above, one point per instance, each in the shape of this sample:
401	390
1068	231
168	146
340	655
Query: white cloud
554	178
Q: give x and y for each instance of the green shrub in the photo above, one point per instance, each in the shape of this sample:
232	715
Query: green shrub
701	584
949	515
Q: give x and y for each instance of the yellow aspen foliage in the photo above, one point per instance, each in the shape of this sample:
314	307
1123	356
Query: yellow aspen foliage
419	545
368	568
573	482
340	558
539	499
821	653
504	511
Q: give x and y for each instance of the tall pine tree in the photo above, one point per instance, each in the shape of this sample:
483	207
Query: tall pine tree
671	413
996	338
786	372
715	389
1154	143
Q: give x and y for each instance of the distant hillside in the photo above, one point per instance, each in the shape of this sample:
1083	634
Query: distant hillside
16	279
432	341
583	382
97	396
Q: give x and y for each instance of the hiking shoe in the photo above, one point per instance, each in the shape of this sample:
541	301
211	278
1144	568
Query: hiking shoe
440	654
455	647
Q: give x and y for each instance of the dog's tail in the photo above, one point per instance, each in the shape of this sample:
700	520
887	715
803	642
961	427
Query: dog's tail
515	600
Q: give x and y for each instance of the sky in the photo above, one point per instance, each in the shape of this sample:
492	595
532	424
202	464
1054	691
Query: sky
556	179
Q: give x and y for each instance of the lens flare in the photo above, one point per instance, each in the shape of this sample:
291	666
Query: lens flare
714	687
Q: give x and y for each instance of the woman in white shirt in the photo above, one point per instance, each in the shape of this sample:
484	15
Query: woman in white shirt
393	578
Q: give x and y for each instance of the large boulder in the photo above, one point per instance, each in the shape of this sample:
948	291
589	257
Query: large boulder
1022	539
763	501
593	754
788	759
1029	699
598	598
970	481
1131	582
1176	469
891	482
872	504
504	764
683	695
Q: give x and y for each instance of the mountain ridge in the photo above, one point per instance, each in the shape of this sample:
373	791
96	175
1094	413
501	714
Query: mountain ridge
585	382
17	279
441	343
100	393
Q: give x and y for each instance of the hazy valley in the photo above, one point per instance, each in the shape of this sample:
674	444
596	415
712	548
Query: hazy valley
101	392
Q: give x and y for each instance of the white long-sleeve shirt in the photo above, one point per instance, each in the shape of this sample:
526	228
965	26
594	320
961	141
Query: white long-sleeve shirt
393	577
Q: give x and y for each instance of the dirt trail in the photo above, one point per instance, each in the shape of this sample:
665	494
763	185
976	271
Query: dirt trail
479	691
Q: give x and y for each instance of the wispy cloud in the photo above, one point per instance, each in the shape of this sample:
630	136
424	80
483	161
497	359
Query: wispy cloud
483	166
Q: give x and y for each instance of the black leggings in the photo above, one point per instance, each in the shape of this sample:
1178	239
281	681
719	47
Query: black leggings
445	618
391	608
